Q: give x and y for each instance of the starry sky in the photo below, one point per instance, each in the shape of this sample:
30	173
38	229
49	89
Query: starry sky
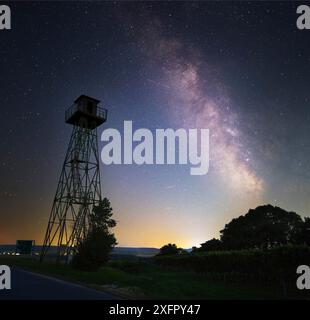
240	69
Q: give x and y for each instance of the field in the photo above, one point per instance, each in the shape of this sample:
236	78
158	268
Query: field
143	279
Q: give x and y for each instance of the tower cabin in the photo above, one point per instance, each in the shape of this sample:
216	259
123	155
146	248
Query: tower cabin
86	113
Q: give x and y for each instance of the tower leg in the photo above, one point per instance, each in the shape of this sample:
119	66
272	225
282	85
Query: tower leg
78	190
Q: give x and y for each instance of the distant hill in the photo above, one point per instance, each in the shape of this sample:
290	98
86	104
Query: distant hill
128	251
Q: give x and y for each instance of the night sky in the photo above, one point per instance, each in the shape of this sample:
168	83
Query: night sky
241	69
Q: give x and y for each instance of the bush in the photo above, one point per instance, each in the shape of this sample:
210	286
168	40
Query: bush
132	266
170	249
94	251
276	264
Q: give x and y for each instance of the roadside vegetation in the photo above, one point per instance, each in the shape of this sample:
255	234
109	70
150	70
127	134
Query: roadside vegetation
276	266
143	279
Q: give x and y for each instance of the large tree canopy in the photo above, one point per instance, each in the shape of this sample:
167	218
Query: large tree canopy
264	227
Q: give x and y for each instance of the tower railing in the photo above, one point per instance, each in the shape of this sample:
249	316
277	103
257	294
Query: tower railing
99	112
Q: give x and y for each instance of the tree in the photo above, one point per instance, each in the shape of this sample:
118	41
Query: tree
210	245
94	251
264	227
170	249
306	232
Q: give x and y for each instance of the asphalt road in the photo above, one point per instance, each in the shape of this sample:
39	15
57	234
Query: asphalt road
33	286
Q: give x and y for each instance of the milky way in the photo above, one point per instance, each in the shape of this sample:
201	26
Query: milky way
190	105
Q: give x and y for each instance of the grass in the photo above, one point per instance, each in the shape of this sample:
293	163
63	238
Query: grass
138	279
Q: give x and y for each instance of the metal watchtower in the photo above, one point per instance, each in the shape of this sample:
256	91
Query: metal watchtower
79	187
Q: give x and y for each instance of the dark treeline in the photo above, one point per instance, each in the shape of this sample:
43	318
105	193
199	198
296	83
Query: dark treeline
260	228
